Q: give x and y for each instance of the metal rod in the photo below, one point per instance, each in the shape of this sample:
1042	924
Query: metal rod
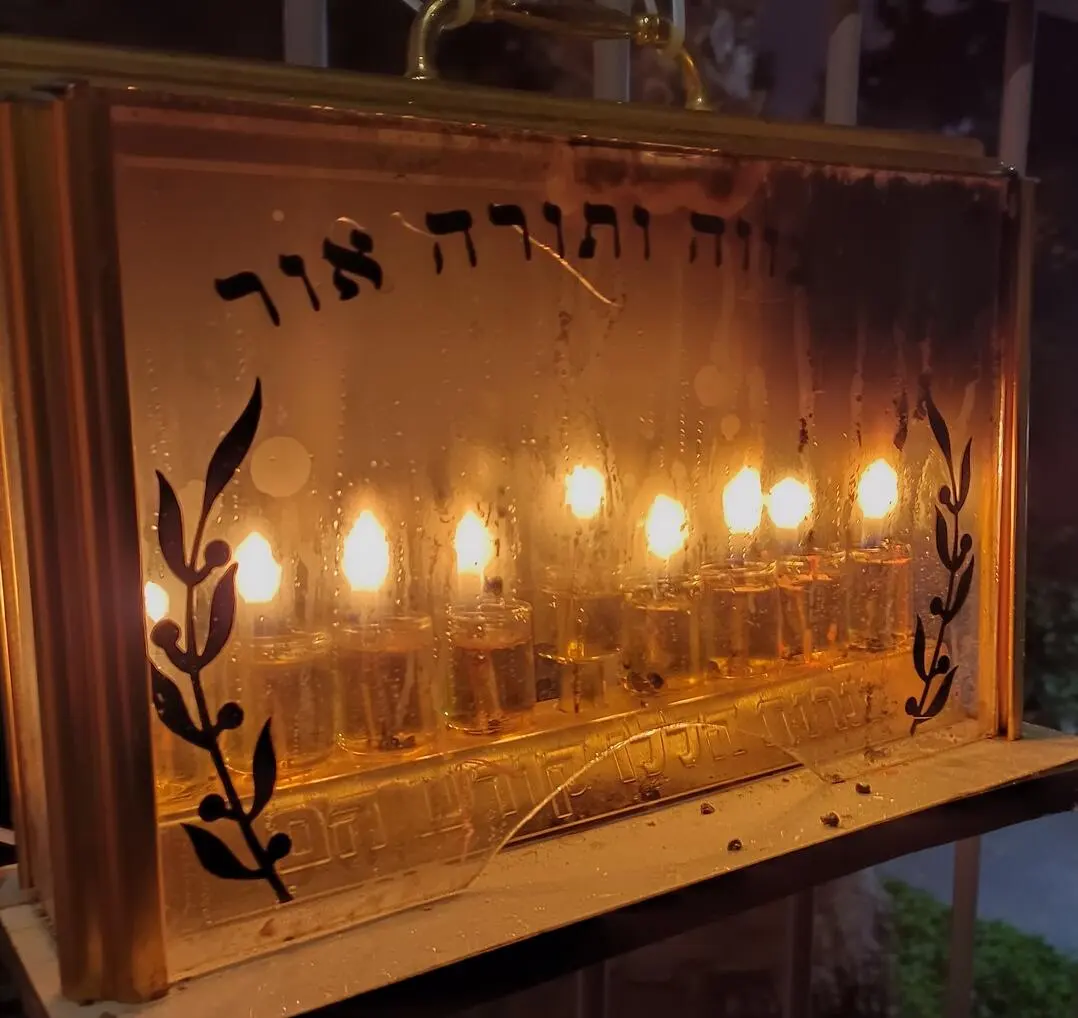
78	479
967	873
591	995
1017	83
571	17
306	33
843	63
797	964
610	78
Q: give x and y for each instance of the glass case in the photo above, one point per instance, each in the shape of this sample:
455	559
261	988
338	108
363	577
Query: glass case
465	481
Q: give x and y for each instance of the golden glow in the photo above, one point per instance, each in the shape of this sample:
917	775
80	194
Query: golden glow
877	491
473	545
155	597
666	527
365	561
743	502
789	504
584	491
259	575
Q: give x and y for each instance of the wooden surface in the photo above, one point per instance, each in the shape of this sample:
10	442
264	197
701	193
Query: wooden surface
551	907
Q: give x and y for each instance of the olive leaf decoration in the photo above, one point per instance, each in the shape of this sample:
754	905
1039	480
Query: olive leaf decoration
937	673
171	707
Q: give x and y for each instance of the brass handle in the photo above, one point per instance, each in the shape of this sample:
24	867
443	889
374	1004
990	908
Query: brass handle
581	18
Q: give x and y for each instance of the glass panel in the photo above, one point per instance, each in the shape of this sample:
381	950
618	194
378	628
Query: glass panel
585	475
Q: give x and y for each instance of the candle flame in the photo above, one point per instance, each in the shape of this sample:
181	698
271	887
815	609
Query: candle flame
155	597
743	502
365	561
473	545
259	575
789	503
584	491
877	491
666	526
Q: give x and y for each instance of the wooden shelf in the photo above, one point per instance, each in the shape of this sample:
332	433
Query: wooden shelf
546	908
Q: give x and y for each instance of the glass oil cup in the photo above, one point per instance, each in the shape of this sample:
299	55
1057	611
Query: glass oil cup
491	682
740	618
661	637
880	596
179	768
577	644
814	608
385	675
285	676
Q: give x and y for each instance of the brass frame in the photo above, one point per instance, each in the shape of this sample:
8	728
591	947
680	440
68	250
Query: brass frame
69	390
568	17
26	64
1016	282
22	709
12	617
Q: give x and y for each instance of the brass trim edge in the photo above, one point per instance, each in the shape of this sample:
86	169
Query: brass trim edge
10	291
70	389
26	64
1015	283
1016	428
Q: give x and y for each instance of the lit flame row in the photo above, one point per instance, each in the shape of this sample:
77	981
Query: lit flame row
366	557
789	504
258	577
365	562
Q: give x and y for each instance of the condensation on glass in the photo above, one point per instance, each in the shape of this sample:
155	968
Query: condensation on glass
586	476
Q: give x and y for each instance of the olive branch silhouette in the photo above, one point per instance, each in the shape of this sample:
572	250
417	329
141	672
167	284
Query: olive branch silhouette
953	548
214	855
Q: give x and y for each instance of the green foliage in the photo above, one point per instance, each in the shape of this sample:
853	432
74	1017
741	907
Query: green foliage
1015	974
1052	654
919	927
